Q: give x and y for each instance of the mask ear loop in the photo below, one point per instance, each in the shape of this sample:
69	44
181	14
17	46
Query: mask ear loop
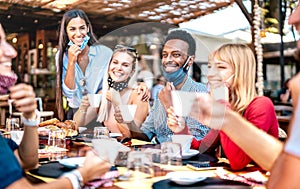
186	68
228	79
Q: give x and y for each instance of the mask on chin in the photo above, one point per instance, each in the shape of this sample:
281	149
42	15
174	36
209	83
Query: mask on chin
118	86
178	76
6	82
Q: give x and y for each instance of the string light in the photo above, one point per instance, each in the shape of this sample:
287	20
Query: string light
258	49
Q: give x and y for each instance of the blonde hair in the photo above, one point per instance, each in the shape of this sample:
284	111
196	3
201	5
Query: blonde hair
241	58
105	105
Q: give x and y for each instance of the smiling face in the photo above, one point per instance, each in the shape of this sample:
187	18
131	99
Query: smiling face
219	73
121	66
77	30
7	53
174	55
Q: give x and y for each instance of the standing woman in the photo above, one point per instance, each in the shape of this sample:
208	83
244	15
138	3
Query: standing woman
119	88
231	77
81	62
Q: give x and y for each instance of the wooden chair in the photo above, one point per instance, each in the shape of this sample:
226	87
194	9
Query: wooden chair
44	114
284	115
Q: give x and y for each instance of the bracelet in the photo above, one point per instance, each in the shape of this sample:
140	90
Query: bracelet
75	178
31	122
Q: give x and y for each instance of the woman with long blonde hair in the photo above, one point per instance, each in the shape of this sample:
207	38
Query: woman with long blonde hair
119	88
231	79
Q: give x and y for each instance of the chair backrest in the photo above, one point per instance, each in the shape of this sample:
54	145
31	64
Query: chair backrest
283	109
39	105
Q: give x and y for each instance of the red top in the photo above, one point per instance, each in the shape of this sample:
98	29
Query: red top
261	113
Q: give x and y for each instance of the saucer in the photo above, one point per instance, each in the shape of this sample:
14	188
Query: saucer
189	154
186	177
115	135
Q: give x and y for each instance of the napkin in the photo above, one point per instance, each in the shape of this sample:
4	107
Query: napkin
255	178
108	149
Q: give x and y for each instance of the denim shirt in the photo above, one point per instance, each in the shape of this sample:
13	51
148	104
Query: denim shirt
99	57
156	122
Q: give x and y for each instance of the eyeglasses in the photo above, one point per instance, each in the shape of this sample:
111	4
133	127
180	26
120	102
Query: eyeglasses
130	49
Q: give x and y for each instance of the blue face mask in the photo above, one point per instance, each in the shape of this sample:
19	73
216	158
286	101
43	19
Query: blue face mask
178	76
83	44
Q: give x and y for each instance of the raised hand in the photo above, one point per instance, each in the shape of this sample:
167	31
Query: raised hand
23	97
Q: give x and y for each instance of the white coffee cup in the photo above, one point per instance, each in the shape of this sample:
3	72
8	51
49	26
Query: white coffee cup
128	112
182	102
16	136
184	140
108	149
95	100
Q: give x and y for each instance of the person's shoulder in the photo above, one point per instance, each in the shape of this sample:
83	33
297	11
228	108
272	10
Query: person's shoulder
262	100
197	86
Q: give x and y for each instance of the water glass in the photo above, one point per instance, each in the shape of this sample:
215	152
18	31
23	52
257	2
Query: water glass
101	132
139	165
171	153
12	124
57	144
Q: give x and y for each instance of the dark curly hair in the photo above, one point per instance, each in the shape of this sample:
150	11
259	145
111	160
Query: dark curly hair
184	36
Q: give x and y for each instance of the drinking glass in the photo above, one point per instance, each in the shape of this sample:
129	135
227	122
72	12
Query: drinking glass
171	153
12	124
101	132
57	144
139	165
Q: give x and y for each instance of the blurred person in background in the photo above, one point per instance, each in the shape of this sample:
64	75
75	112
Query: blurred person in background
144	72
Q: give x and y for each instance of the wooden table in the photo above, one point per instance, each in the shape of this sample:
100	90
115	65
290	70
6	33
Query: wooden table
144	184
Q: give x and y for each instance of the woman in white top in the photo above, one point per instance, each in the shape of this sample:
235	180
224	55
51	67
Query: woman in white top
118	89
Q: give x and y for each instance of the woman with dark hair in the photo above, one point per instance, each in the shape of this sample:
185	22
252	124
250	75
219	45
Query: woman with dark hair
81	61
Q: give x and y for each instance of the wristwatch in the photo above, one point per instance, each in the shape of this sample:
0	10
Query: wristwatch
34	121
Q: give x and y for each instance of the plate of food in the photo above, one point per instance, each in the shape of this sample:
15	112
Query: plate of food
73	162
54	124
186	177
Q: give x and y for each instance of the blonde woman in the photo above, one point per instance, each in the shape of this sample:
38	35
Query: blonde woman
118	88
231	72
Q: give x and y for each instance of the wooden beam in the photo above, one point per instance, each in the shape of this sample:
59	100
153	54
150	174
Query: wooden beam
136	7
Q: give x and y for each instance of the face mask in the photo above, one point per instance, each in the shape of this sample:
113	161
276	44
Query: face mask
178	76
118	86
83	44
6	82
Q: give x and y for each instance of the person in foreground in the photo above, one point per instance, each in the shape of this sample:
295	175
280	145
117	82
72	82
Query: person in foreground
178	55
15	159
231	77
283	161
118	89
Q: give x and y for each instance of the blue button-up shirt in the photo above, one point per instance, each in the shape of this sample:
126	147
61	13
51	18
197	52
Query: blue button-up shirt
99	57
156	122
